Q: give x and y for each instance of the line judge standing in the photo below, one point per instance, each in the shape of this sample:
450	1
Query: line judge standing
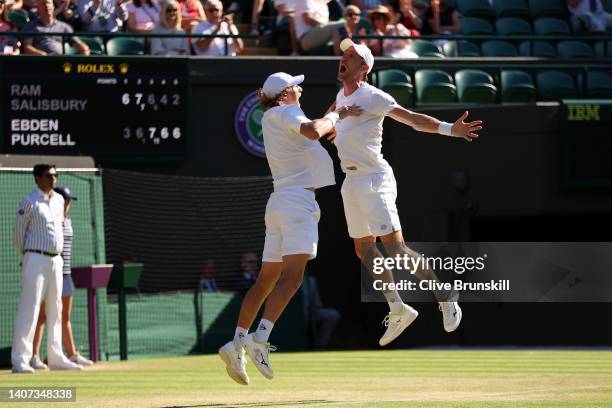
38	237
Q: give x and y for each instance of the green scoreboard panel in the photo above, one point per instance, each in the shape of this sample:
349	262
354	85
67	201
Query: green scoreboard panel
586	143
108	108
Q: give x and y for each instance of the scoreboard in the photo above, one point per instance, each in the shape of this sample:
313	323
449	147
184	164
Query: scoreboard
586	144
108	108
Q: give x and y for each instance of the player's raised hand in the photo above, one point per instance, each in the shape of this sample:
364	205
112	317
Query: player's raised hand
466	130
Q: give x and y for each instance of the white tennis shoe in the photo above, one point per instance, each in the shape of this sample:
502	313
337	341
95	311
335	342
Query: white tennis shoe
259	352
235	362
451	315
396	323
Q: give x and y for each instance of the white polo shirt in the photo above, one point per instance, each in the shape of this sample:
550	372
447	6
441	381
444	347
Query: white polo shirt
294	160
359	138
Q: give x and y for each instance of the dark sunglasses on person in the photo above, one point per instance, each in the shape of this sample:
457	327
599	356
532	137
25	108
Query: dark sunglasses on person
171	10
51	175
353	14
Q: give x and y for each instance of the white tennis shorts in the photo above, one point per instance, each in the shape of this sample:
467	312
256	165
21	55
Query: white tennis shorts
369	204
292	218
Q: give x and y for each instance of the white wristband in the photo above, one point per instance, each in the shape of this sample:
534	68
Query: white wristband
333	116
445	129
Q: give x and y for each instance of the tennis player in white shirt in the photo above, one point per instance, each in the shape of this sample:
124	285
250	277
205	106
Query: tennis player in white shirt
369	189
299	165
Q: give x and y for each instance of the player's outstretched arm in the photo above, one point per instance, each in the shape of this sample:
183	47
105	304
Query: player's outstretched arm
429	124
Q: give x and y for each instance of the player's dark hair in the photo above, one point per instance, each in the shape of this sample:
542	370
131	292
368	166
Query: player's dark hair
41	169
268	103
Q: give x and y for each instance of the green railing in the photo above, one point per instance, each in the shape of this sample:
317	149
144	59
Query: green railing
591	39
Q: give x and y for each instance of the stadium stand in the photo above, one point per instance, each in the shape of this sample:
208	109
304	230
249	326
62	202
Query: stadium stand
124	46
435	87
461	48
517	87
498	48
398	84
556	85
475	86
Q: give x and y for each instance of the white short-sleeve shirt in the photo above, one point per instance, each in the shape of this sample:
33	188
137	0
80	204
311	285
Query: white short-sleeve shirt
359	138
217	45
317	7
294	160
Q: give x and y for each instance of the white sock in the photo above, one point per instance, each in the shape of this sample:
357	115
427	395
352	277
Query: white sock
394	300
239	335
263	330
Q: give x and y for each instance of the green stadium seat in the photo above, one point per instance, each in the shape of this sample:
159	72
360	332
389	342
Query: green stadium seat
475	8
17	18
475	86
517	87
537	48
497	48
124	46
96	47
556	85
574	49
550	26
577	25
398	84
424	48
475	26
598	85
603	49
547	8
512	26
434	87
460	48
510	8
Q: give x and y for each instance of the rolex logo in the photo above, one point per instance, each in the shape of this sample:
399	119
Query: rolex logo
123	68
67	68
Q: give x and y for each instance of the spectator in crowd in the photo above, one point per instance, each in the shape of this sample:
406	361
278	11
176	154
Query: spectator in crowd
322	320
39	240
407	15
285	21
207	276
66	11
67	293
192	13
217	23
592	13
312	26
8	44
143	15
13	5
103	15
249	264
441	18
381	19
47	23
352	16
170	23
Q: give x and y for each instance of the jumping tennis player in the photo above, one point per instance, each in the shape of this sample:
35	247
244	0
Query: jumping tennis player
369	189
299	165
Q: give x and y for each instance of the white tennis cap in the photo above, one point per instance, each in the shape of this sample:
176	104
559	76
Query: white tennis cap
279	81
362	49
